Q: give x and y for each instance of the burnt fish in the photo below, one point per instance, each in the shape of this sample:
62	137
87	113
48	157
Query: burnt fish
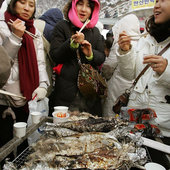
89	125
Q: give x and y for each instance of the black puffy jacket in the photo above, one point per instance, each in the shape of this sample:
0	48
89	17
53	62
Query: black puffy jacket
60	51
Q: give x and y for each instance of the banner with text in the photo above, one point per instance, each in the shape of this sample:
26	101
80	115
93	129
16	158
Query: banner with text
136	4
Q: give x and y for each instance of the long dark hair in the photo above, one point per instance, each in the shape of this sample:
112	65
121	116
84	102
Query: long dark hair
11	8
159	31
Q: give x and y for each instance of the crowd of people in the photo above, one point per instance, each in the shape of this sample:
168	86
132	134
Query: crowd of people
30	47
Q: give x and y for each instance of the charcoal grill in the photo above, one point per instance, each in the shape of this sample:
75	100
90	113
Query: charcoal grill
20	159
15	142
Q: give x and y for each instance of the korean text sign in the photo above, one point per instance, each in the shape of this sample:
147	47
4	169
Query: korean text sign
142	3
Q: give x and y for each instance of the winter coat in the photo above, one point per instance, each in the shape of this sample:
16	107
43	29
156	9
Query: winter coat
117	84
12	44
151	89
66	83
51	17
5	66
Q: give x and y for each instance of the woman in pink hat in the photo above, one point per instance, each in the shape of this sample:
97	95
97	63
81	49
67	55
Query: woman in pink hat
66	40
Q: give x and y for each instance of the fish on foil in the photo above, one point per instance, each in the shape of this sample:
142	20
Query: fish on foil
90	125
90	150
76	115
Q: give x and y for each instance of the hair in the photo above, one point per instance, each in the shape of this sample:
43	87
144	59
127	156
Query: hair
159	31
69	4
11	8
108	42
1	1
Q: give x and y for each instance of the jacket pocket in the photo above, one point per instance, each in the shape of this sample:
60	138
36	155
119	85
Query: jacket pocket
133	96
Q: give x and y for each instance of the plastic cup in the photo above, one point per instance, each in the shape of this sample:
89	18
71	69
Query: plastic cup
20	129
35	116
154	166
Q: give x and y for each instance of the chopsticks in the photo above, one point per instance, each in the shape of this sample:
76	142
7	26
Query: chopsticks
84	25
29	33
135	37
11	94
139	35
87	21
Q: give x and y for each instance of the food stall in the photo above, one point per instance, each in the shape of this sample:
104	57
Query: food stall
83	141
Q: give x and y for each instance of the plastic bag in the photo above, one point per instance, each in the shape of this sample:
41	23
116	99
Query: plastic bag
40	106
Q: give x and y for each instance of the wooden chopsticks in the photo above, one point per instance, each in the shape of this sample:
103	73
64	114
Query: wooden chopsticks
139	35
84	25
87	21
135	37
29	33
11	94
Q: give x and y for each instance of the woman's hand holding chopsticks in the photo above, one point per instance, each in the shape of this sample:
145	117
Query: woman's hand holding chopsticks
78	37
29	33
17	27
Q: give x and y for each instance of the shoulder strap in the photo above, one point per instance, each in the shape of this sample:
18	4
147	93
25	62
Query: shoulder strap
148	65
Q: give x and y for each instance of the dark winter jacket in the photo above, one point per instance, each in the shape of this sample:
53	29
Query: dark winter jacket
51	17
61	52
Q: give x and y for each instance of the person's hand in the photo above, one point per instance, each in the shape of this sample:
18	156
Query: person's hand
158	63
86	48
124	41
18	28
78	37
39	93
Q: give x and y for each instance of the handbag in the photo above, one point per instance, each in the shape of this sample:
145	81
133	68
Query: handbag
123	99
90	82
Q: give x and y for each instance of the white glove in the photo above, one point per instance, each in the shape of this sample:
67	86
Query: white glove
39	93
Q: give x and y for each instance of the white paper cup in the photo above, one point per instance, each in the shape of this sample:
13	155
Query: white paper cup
57	119
20	129
35	116
154	166
63	109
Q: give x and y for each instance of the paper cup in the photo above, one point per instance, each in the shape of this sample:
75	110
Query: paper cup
154	166
57	118
63	109
35	116
20	129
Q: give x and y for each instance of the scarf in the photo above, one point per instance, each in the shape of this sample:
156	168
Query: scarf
28	67
72	15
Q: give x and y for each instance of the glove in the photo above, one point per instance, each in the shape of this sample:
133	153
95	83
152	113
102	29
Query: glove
39	93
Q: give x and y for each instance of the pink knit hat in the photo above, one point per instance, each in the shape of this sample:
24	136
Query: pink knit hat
72	14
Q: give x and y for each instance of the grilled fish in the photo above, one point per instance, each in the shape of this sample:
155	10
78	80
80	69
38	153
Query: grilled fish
89	125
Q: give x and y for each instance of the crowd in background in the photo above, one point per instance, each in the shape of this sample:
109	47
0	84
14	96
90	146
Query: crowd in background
31	47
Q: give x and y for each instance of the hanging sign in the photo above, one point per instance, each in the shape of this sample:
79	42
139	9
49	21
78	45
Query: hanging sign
136	4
